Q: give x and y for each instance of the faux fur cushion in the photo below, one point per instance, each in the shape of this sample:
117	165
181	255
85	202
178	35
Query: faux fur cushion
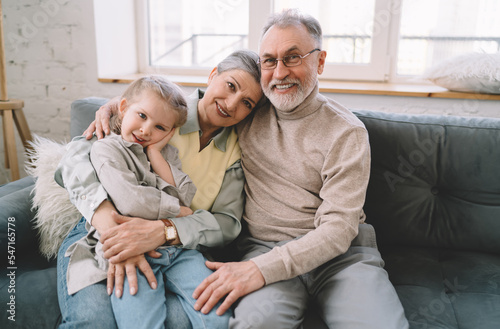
55	214
473	72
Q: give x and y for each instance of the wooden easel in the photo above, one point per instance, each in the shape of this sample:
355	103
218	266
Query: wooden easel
11	111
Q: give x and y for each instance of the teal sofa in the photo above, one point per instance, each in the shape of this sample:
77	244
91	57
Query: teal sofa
433	198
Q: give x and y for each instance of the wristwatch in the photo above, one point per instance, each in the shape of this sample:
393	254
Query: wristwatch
170	231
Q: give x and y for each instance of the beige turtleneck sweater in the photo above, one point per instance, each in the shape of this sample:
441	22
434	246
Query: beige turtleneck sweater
306	174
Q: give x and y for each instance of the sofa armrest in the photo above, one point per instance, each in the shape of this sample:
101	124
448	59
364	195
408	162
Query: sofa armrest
16	220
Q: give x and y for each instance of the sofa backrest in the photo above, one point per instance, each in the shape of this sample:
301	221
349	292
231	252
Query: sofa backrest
83	113
435	180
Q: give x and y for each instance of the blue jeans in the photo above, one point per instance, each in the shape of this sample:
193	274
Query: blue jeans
91	306
177	270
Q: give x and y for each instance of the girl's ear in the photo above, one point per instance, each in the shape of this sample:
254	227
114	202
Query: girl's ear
122	106
212	75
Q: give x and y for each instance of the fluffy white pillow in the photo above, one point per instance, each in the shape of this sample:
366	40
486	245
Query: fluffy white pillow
475	72
55	214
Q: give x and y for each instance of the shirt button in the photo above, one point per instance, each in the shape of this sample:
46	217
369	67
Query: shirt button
83	197
92	205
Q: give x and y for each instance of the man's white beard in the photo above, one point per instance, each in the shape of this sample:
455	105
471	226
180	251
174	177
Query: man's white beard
288	102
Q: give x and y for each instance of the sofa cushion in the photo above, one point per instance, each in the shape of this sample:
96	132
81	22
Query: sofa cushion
36	304
15	218
442	288
83	113
434	181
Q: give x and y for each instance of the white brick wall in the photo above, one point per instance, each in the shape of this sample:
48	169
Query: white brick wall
51	61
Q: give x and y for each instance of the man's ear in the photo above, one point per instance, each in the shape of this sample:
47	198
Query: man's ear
212	75
122	106
321	61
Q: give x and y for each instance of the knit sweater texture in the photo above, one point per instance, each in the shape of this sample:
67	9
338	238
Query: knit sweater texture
306	174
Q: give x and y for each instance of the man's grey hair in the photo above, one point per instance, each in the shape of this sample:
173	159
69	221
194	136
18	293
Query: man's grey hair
293	17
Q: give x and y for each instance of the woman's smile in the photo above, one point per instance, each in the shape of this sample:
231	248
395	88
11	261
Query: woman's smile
221	112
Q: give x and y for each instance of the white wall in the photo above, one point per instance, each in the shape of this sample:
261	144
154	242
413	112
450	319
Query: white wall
52	60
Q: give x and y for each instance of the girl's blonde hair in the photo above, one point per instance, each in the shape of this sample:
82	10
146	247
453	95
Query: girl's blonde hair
163	88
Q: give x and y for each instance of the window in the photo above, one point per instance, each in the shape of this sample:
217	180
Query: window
195	33
431	31
371	40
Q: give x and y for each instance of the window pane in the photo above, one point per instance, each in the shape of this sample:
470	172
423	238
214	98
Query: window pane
347	26
434	30
196	33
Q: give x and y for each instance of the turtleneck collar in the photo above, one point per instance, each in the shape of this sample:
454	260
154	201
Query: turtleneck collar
310	105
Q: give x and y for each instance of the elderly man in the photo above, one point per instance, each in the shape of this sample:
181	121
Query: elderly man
306	161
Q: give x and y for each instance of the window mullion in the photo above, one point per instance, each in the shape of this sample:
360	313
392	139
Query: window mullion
383	21
142	35
396	8
259	11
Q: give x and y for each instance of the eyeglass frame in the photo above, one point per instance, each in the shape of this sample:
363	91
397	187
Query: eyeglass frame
283	60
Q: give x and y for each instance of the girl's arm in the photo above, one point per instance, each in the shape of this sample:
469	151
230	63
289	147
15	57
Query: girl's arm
131	197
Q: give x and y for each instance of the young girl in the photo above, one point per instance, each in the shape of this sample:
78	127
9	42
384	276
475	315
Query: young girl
142	175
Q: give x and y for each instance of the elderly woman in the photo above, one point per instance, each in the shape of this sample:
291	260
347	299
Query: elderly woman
210	155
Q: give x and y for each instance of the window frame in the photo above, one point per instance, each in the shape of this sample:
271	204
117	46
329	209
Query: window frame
384	45
377	70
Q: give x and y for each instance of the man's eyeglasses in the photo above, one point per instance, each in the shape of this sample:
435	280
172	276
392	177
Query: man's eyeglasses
288	60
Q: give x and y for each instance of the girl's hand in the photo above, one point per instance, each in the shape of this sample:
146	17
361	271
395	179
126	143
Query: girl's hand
117	273
158	146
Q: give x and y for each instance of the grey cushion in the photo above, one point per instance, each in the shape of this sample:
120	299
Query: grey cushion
434	200
434	181
83	113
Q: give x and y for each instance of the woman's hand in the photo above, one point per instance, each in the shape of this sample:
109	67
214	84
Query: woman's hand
101	123
132	237
117	272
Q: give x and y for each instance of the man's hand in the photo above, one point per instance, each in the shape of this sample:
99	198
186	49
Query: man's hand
117	272
232	280
132	237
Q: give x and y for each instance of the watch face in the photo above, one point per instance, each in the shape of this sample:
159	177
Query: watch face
171	233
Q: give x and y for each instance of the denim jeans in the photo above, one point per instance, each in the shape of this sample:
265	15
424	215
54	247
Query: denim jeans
91	306
179	271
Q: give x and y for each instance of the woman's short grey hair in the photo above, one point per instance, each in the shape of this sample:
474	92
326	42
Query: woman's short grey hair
245	60
165	89
293	17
